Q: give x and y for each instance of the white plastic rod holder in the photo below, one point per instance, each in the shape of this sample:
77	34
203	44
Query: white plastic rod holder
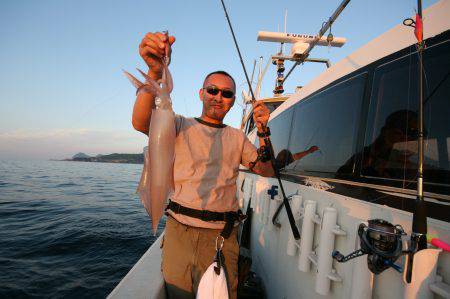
248	188
292	244
325	271
306	241
423	274
260	197
362	278
265	209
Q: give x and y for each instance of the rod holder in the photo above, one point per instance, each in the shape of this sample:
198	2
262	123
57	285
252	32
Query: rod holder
423	274
248	190
328	233
293	244
362	278
260	198
306	242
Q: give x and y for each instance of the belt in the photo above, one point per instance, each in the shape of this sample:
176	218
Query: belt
205	215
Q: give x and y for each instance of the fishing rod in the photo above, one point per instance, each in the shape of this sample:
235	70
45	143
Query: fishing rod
418	239
322	31
245	97
420	217
266	138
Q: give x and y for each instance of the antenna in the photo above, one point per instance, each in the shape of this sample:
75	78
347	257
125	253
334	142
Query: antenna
285	19
282	43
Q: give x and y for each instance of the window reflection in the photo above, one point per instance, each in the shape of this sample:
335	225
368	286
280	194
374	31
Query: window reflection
383	157
285	157
281	126
325	128
391	146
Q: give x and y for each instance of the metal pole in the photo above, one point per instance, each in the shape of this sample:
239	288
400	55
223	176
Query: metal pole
322	31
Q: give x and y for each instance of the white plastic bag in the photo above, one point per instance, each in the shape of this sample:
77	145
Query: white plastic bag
213	284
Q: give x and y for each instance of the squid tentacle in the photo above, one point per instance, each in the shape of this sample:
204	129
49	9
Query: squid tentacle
136	83
140	85
151	82
168	79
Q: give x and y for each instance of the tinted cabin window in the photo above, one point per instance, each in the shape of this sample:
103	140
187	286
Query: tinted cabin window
280	127
250	124
273	105
391	137
325	127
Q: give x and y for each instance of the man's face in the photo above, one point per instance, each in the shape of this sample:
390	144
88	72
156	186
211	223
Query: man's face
215	107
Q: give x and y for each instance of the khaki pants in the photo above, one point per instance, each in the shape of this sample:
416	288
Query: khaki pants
187	253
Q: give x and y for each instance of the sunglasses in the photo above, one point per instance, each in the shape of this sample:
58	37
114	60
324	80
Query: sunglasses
214	90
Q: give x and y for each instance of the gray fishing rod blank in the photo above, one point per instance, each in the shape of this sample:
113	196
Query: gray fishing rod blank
267	140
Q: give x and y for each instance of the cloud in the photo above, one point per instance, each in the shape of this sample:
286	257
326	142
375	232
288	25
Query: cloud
64	143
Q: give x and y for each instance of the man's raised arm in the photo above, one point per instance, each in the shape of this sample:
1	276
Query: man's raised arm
261	116
152	49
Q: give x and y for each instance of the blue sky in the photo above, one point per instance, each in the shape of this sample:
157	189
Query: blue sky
61	86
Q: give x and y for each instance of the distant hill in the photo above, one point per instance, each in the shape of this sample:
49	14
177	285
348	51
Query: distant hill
112	158
80	155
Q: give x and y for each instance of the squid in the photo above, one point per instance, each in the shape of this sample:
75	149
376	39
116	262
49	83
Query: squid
157	184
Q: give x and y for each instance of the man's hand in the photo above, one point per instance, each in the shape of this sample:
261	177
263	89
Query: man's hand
152	49
312	149
261	115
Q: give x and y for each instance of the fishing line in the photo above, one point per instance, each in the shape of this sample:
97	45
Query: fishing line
407	118
437	87
239	52
91	107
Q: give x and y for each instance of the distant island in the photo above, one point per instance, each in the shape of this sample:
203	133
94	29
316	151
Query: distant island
111	158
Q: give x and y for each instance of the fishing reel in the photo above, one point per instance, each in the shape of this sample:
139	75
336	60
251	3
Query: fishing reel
381	241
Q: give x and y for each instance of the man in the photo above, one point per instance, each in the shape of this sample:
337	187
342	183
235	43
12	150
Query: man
207	158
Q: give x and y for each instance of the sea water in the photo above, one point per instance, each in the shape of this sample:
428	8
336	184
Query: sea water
69	229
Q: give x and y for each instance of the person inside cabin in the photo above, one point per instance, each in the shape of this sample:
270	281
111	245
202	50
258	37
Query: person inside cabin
385	157
207	158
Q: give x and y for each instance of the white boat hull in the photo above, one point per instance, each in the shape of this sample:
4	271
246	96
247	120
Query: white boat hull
144	280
